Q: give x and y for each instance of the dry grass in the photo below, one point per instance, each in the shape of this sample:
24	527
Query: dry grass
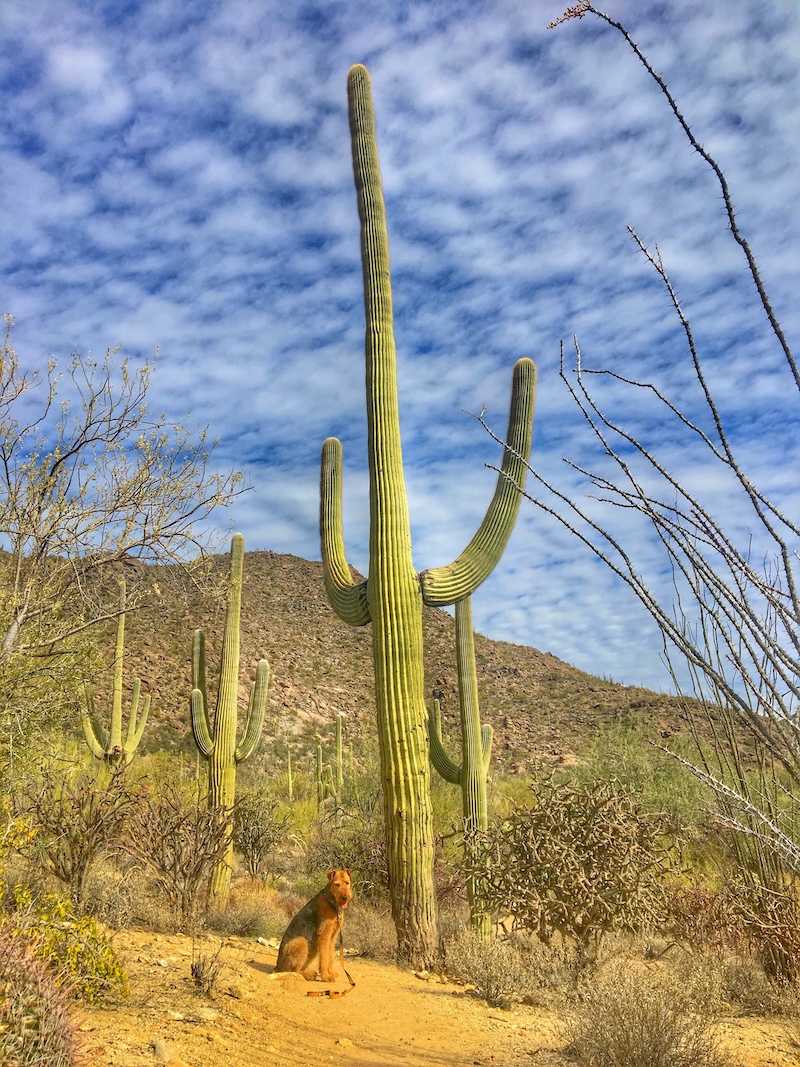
498	969
642	1016
253	910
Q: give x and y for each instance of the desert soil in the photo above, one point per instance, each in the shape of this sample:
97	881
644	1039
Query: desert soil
392	1018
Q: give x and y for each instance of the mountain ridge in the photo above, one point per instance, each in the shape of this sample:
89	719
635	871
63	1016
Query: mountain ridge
543	710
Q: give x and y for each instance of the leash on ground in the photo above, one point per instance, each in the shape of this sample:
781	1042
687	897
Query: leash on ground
334	994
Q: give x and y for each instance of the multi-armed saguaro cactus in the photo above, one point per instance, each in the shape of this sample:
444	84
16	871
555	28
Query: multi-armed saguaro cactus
217	742
393	595
110	749
476	745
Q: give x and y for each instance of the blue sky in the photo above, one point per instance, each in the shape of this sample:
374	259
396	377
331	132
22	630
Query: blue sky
178	175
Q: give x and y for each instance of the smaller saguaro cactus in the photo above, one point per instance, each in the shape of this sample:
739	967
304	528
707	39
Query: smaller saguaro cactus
110	749
339	762
476	743
217	741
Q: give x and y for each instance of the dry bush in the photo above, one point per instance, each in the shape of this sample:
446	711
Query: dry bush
498	969
768	908
704	919
207	968
359	842
253	910
370	931
75	824
746	985
640	1017
259	828
117	893
179	842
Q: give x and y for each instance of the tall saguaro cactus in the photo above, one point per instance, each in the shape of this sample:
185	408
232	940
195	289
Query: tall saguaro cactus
392	597
217	741
110	749
476	746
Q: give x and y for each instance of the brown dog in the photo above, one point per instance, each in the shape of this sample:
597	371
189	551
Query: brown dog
310	937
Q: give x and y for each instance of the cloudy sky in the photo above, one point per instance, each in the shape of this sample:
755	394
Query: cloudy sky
178	175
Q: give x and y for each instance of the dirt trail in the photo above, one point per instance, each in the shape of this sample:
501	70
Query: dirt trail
390	1019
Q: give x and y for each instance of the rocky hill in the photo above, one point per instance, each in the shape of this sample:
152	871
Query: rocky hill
542	710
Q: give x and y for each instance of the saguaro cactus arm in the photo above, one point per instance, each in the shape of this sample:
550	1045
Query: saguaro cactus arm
487	736
201	723
96	737
256	706
459	579
450	771
348	600
136	723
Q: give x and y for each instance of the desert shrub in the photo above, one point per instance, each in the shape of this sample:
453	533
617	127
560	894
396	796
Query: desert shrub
633	1017
769	911
624	750
179	842
578	862
72	945
207	968
73	824
357	842
497	969
704	918
371	932
259	828
35	1025
117	892
746	985
253	910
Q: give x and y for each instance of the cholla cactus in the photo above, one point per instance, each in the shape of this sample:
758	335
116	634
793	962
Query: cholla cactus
393	595
217	743
110	749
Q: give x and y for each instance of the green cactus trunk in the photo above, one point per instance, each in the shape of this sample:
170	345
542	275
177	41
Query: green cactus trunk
392	597
476	745
113	753
217	743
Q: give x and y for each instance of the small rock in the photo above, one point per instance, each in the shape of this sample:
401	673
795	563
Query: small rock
162	1050
424	976
206	1015
344	1041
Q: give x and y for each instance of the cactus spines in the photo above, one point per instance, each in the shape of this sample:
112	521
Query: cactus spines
392	597
113	752
476	744
216	741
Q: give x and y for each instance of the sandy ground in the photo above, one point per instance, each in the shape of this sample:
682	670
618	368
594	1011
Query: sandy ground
390	1019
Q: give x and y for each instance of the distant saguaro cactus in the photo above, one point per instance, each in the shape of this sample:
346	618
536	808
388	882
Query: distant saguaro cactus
109	748
393	595
476	745
217	743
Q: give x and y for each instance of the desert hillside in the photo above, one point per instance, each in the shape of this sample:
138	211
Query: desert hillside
542	710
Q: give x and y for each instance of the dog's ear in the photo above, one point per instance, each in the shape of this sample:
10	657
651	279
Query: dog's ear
331	874
346	871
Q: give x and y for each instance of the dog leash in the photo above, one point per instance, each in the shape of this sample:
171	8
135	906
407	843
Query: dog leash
334	994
